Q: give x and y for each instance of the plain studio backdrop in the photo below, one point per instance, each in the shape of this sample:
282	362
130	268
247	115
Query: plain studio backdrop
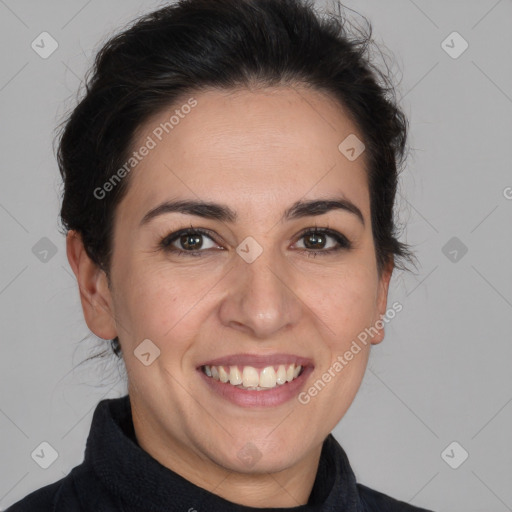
432	421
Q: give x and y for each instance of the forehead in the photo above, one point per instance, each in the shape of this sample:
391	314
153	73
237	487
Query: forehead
270	145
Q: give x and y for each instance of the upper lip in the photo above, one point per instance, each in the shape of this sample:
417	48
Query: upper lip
257	360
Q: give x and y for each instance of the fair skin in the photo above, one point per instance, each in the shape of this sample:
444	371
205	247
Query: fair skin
257	152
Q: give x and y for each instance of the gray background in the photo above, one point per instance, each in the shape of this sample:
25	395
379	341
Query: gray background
443	372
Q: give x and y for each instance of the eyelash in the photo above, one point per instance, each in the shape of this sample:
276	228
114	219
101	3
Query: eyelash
342	240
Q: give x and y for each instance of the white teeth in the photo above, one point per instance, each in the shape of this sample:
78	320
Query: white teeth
252	378
268	377
223	375
281	374
235	376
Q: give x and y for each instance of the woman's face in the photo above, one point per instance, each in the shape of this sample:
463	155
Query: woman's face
250	293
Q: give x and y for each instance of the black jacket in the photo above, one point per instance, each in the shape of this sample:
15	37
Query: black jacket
117	475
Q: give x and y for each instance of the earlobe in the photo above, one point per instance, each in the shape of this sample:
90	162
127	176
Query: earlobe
92	282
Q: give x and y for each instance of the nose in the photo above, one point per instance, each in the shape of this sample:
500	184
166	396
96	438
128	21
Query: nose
261	300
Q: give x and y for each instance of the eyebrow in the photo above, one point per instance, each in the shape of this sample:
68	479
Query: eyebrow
215	211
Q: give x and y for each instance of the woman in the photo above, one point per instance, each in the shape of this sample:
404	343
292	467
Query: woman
229	181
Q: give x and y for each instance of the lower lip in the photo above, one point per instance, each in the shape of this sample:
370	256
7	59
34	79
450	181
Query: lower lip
264	398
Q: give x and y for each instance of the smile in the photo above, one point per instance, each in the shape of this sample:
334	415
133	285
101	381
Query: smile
251	378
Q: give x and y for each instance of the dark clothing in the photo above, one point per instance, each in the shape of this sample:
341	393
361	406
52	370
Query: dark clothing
118	475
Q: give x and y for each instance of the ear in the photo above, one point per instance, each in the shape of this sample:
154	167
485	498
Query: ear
95	294
382	301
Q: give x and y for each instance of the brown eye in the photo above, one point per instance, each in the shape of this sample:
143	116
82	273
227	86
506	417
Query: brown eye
323	241
315	241
188	241
191	242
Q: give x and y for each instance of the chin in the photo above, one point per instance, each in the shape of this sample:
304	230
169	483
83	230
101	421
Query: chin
254	454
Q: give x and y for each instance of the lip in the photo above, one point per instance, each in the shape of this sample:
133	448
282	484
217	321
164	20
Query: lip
257	360
271	397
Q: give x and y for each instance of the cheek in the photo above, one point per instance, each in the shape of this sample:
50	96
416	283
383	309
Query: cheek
346	305
142	303
347	310
156	304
